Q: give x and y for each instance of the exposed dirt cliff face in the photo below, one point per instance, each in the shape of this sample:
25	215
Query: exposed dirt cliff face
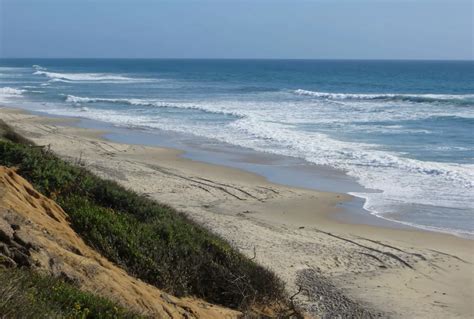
35	232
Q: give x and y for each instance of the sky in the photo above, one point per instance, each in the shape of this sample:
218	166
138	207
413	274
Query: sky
289	29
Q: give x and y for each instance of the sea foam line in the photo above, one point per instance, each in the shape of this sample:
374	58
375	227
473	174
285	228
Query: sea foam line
8	92
11	91
95	77
151	103
370	208
467	98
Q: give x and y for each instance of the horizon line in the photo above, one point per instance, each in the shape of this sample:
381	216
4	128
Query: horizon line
231	58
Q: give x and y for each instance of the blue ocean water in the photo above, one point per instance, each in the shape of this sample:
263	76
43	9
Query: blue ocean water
403	129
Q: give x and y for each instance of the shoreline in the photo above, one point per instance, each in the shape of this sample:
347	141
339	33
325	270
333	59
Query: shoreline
397	272
289	171
276	168
279	169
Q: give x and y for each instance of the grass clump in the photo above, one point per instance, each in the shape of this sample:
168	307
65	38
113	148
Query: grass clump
151	241
25	294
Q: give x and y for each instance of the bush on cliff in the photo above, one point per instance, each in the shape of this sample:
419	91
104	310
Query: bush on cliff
149	240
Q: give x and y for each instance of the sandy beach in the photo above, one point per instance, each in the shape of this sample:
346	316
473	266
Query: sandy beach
327	263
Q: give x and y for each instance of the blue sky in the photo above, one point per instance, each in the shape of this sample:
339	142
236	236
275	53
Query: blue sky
335	29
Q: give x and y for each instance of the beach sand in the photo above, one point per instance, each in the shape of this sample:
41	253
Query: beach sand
332	263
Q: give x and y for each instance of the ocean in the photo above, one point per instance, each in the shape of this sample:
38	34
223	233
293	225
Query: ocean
402	129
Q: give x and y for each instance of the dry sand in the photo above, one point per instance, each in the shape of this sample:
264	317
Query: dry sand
399	273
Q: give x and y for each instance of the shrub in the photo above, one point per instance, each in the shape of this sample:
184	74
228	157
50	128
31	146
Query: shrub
25	294
150	240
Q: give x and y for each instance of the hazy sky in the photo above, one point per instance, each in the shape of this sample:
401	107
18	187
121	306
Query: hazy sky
338	29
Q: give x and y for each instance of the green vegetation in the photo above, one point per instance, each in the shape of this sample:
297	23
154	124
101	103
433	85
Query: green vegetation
25	294
149	240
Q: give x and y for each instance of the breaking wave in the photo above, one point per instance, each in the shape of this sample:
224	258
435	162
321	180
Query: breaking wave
10	91
86	77
7	92
420	98
150	103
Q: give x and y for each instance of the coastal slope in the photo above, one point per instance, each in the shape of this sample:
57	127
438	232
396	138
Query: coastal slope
39	227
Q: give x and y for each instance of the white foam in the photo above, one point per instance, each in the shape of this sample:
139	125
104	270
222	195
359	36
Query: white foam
118	118
11	91
388	96
403	181
6	93
86	77
149	103
370	205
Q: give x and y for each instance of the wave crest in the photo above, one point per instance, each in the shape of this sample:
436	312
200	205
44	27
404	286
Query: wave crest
150	103
463	99
85	77
10	91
